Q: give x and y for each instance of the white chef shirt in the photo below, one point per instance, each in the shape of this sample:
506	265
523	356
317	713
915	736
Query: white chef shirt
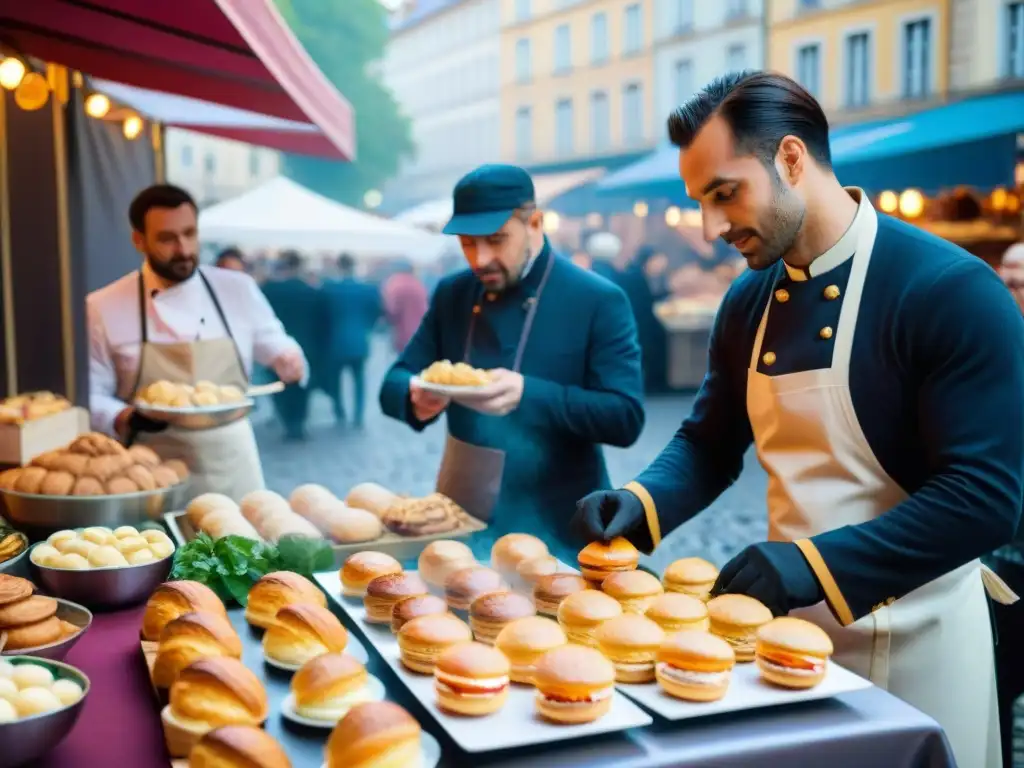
181	312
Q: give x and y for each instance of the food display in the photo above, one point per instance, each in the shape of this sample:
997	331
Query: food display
27	620
327	686
676	612
465	585
581	614
272	517
598	560
631	644
176	598
29	406
301	632
278	590
94	465
550	591
363	567
189	638
376	733
736	619
12	542
695	666
514	548
448	374
169	394
28	689
421	641
101	547
471	679
384	592
440	559
691	576
332	518
574	684
792	653
491	613
218	516
237	745
524	641
635	590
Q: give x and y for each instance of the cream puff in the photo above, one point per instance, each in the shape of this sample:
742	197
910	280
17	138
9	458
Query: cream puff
384	592
631	642
792	653
326	687
574	685
581	614
274	591
490	613
736	619
695	666
302	632
471	679
362	568
524	641
422	640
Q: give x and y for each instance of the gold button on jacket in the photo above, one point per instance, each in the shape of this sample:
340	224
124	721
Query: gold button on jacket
782	295
826	332
768	358
832	292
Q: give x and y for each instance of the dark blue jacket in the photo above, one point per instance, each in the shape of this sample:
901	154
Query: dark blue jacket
352	308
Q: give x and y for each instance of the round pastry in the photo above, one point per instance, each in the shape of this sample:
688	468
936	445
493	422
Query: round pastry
32	675
27	611
205	503
440	559
550	591
529	572
34	635
695	666
409	608
581	614
258	506
362	568
635	590
736	619
328	686
70	562
60	539
490	613
676	612
118	485
141	557
524	641
130	544
106	556
222	521
68	691
238	746
190	637
597	559
36	701
308	495
512	549
630	642
8	714
378	733
691	576
140	454
80	547
142	477
179	467
574	684
30	480
793	653
13	588
57	483
302	632
44	554
209	694
371	497
471	679
166	477
88	486
276	590
98	535
467	584
422	640
383	592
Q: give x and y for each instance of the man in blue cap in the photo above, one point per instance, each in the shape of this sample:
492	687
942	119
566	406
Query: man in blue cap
561	345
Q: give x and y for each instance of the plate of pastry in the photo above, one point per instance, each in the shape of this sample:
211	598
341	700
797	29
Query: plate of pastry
326	688
452	379
380	731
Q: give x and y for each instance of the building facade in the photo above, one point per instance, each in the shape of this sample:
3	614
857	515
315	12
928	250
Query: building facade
442	65
213	169
986	44
696	41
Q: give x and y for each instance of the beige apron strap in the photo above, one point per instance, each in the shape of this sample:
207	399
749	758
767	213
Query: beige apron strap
867	222
996	588
881	645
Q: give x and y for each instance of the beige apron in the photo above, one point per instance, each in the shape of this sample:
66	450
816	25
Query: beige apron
932	647
470	474
223	459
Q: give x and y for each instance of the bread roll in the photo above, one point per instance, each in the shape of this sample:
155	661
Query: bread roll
341	523
280	524
189	638
262	504
30	480
88	486
165	477
276	590
238	746
375	730
118	485
225	522
309	495
179	467
141	476
371	497
198	508
147	457
57	483
9	478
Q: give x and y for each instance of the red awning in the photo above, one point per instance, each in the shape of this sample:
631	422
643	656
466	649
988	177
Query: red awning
239	53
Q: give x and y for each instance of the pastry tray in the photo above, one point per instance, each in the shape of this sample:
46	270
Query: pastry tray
515	725
403	548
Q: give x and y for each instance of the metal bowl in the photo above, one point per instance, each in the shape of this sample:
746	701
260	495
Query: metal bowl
199	417
72	613
28	739
17	566
39	516
111	587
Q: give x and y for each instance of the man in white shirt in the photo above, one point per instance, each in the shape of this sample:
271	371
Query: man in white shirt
173	320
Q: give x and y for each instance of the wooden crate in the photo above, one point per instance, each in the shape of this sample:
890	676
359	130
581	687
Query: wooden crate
20	443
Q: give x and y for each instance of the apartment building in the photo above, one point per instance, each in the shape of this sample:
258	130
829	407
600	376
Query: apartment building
213	169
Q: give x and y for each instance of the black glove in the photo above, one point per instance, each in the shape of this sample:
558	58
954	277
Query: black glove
774	572
603	515
137	423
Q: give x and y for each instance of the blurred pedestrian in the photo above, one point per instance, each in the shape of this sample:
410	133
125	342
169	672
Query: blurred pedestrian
233	259
604	249
645	283
405	304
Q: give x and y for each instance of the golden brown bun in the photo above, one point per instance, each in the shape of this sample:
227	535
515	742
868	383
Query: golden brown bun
173	599
697	652
597	559
28	611
440	559
692	576
30	480
190	637
512	549
409	608
57	483
550	591
309	495
219	691
326	677
363	567
238	746
13	589
383	592
223	521
489	613
573	673
276	590
422	640
205	503
147	457
631	643
471	679
377	733
792	652
302	632
472	661
467	584
179	467
331	517
588	607
34	635
531	571
371	497
635	590
524	641
736	619
675	611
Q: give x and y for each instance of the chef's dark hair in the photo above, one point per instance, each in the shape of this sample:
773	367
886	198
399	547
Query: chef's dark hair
157	196
761	108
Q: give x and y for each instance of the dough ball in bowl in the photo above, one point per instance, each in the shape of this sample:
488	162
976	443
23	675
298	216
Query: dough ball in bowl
205	399
229	393
88	486
57	483
107	557
141	454
119	485
165	477
142	477
30	480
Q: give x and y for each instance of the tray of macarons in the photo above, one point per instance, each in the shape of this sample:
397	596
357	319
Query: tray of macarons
467	642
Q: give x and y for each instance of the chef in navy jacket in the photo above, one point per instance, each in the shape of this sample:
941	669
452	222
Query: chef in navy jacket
877	370
566	368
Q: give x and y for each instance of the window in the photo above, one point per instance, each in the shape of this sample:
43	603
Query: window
808	5
808	68
524	64
682	16
599	38
600	122
563	127
563	51
917	59
736	58
522	10
683	82
524	133
210	163
186	156
633	30
254	162
633	114
1015	40
735	9
858	72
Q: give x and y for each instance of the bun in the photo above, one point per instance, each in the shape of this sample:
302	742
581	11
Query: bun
375	731
190	637
372	497
597	560
409	608
736	619
422	640
362	568
489	614
550	591
471	679
331	517
383	592
440	559
631	644
635	590
512	549
524	641
582	613
574	684
302	632
147	457
34	635
676	612
695	666
691	576
238	746
328	686
531	571
30	480
465	585
271	516
223	521
276	590
205	503
793	653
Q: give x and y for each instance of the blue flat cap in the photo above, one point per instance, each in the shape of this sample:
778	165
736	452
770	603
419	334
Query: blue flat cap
485	198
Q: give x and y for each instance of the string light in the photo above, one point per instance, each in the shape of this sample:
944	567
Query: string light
32	93
673	216
12	70
97	105
888	202
911	203
132	127
640	209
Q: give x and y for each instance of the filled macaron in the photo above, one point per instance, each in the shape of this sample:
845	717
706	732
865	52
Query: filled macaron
465	585
489	614
736	619
362	568
423	640
524	641
631	642
409	608
574	684
471	679
691	576
676	612
550	591
793	653
635	590
384	592
581	614
512	549
598	560
695	666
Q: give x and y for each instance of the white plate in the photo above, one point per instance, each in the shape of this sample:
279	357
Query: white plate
377	693
354	648
447	390
746	691
515	725
431	751
193	410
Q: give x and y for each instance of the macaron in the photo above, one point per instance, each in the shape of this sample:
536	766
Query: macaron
695	666
512	549
440	559
423	640
581	614
631	642
465	585
736	619
635	590
793	653
524	641
471	679
550	591
529	572
676	612
489	614
574	685
362	568
691	576
597	560
409	608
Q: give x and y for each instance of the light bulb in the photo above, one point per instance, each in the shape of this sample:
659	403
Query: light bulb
12	70
911	203
132	127
888	202
97	105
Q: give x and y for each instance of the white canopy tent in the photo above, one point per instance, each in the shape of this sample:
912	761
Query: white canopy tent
282	214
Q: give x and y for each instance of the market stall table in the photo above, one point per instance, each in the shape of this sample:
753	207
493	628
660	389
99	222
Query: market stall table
120	725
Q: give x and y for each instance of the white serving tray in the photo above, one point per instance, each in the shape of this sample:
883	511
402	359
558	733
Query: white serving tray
448	390
515	725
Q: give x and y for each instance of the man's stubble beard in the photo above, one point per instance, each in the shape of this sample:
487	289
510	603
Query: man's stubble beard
781	233
174	271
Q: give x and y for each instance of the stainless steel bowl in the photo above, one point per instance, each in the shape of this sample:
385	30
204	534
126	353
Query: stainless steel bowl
17	566
72	613
113	587
39	516
30	738
200	417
